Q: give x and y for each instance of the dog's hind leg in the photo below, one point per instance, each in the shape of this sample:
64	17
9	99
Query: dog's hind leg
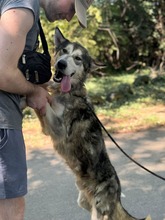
83	202
106	203
95	215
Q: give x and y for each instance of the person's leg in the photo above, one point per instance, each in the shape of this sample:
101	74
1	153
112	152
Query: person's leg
12	209
13	175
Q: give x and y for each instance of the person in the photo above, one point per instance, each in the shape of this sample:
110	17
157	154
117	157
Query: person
19	31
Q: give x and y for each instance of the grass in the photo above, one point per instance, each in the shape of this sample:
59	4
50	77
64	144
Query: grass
134	107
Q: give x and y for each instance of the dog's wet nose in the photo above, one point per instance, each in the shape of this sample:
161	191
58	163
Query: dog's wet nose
62	64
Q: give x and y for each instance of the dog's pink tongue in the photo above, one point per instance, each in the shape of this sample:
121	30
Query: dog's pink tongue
66	84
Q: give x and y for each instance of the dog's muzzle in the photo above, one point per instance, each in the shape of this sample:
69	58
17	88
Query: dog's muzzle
61	77
60	67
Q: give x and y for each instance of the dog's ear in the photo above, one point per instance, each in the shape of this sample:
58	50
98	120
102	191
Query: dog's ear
59	38
95	66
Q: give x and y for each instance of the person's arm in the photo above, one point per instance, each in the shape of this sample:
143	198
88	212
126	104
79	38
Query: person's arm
14	26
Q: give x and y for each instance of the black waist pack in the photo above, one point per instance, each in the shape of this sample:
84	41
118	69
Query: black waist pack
36	66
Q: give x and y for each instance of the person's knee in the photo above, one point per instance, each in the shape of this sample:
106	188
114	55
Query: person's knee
12	209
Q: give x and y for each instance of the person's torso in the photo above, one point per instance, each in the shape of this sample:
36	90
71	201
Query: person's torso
10	113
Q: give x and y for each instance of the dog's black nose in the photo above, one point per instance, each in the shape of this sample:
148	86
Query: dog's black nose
62	64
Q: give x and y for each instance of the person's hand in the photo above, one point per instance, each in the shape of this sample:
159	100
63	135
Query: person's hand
38	99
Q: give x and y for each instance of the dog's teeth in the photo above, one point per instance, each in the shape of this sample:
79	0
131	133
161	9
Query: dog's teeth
58	79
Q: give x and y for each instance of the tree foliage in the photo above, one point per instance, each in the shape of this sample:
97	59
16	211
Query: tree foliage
136	33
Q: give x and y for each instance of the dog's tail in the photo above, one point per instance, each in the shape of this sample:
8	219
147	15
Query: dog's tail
122	214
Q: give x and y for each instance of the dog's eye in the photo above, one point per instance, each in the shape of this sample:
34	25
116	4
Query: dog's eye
64	50
77	58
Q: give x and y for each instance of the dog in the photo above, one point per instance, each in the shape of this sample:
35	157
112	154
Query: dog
77	135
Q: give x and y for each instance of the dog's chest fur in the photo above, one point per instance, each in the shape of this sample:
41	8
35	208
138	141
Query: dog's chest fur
76	126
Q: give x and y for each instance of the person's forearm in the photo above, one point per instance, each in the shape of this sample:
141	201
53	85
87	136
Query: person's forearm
15	83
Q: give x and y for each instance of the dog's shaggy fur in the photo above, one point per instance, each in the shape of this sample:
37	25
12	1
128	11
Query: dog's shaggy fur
77	135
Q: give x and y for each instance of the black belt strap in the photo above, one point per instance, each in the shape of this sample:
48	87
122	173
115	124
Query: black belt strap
43	39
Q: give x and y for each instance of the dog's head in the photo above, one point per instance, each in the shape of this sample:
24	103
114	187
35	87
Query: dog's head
73	63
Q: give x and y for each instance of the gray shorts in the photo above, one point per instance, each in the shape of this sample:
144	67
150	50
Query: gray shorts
13	169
